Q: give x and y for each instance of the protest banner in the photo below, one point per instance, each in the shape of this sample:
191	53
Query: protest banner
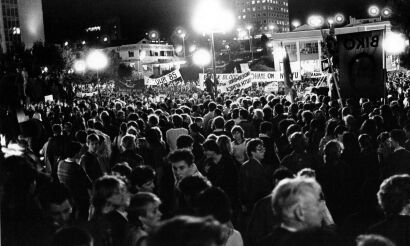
243	81
48	98
361	64
129	86
174	75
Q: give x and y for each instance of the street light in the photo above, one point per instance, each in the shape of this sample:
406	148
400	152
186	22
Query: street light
295	23
271	28
316	21
192	48
202	58
249	27
66	43
339	18
394	43
373	11
80	66
386	12
211	17
96	60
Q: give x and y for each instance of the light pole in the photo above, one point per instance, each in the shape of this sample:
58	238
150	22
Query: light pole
183	42
250	40
211	17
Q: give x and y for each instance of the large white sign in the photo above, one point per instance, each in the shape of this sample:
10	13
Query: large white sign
164	79
224	78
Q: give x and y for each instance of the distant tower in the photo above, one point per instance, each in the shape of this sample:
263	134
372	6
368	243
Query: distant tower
263	15
21	21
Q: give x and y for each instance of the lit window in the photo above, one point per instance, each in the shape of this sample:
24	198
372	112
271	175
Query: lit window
244	17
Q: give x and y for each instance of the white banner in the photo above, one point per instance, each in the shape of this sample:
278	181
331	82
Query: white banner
223	79
164	79
243	81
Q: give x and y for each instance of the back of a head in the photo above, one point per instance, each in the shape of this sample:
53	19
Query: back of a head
128	142
72	236
214	202
218	123
193	185
188	231
373	240
399	136
184	141
181	155
141	174
394	195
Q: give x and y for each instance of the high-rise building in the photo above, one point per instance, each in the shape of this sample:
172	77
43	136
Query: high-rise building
265	16
21	22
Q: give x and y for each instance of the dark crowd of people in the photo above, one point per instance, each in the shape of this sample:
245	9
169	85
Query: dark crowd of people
109	170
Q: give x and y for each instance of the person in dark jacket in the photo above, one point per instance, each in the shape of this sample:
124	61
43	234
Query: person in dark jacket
89	161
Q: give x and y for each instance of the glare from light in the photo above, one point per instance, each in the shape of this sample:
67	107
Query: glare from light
65	43
395	43
79	66
373	11
386	12
178	49
96	60
249	27
330	21
202	57
83	42
339	18
105	39
242	34
269	44
295	23
192	48
271	27
143	54
153	35
211	17
316	21
279	53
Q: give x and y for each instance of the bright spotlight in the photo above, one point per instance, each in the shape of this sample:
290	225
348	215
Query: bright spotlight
386	12
153	35
96	60
316	21
296	23
202	57
373	11
192	48
395	43
211	17
330	21
66	43
279	53
79	66
339	18
178	49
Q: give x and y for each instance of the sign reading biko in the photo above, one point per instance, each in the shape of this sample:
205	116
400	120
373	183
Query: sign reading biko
361	64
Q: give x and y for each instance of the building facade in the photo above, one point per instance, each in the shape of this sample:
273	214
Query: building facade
265	16
21	22
148	58
304	47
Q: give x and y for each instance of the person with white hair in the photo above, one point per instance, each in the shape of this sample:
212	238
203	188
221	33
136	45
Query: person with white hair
299	205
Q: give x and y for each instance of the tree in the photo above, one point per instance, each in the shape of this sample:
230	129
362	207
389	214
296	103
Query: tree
124	71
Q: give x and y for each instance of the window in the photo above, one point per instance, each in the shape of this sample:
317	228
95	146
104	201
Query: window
307	48
162	53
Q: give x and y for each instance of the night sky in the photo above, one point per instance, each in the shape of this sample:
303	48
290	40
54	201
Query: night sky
66	19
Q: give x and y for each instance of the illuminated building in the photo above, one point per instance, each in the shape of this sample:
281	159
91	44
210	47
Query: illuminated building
21	22
148	58
265	16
